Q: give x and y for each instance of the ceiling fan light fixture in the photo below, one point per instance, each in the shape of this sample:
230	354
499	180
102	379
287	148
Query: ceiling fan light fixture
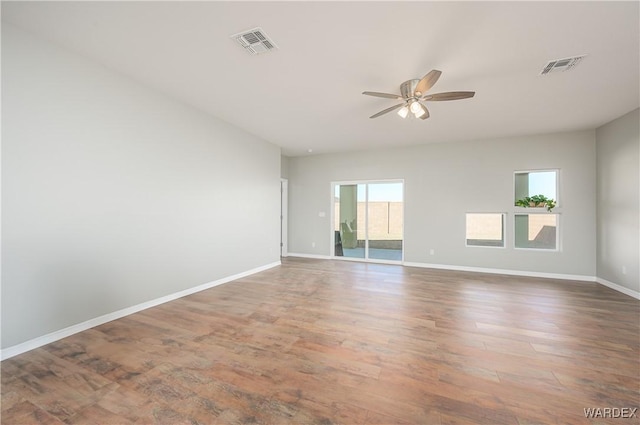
403	112
412	92
420	112
417	109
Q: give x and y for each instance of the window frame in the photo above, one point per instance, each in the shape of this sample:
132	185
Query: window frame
366	258
523	211
558	233
542	170
504	230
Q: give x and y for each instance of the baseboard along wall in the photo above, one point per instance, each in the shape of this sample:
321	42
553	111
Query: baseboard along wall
562	276
63	333
619	288
91	323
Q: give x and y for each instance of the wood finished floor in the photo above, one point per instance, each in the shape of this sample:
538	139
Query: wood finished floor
334	342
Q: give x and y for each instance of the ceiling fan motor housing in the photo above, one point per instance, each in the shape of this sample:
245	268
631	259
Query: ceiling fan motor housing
408	88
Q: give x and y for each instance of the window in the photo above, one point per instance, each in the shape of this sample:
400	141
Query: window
532	183
485	229
536	231
536	191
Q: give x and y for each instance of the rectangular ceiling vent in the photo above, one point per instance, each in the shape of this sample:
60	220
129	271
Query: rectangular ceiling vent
560	65
255	41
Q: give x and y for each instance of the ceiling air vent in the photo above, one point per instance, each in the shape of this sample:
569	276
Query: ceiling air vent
255	41
559	65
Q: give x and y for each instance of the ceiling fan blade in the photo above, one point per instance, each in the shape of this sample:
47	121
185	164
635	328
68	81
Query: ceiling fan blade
399	105
427	82
450	95
426	113
386	95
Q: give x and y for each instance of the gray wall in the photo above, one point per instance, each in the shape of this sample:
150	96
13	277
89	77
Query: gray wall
618	193
114	195
443	182
284	167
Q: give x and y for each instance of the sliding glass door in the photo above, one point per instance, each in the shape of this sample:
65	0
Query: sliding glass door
385	220
349	229
369	220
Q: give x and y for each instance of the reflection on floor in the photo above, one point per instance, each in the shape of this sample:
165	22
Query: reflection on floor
374	253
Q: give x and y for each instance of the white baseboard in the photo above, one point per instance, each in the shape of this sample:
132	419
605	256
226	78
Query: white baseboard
561	276
509	272
582	278
352	259
619	288
316	256
91	323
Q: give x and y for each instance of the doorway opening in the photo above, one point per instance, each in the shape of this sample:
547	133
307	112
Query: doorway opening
368	220
284	208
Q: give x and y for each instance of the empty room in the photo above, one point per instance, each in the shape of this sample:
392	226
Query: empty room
320	212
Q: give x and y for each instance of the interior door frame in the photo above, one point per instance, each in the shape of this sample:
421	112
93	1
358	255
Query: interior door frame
332	218
284	217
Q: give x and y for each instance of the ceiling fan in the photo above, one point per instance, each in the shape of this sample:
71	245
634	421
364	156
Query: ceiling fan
412	94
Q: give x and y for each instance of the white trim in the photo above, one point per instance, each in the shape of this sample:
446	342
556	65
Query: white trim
504	230
357	259
543	170
63	333
558	234
369	260
504	271
619	288
315	256
379	261
352	259
366	220
284	217
332	221
561	276
366	183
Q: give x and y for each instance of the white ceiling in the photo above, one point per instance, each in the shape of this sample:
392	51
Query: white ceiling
307	95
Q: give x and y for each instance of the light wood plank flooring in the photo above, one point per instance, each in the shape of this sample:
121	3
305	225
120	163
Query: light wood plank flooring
335	342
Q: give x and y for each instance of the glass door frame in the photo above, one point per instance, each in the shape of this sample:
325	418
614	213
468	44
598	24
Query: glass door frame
332	219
